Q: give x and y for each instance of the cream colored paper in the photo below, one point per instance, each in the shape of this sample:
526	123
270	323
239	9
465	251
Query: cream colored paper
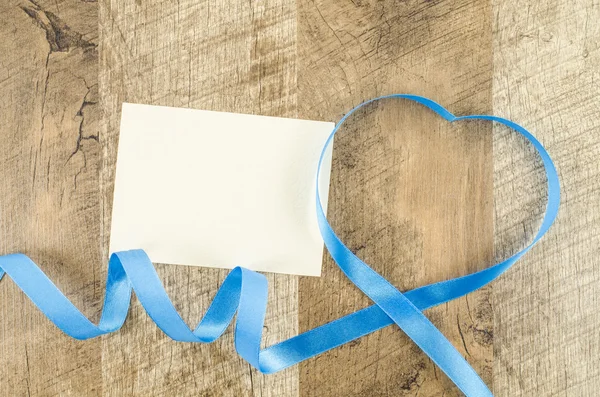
219	189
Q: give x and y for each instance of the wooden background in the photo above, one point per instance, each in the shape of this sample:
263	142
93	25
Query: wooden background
417	198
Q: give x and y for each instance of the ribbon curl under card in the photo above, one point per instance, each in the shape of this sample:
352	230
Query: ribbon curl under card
245	292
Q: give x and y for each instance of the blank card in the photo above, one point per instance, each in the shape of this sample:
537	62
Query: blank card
216	189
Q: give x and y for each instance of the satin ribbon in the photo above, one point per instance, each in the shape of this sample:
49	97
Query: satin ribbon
245	292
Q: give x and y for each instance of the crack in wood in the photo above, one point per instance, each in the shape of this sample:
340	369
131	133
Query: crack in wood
60	37
462	337
81	137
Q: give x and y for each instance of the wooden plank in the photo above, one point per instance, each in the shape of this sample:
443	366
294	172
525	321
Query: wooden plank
546	62
220	55
50	206
411	195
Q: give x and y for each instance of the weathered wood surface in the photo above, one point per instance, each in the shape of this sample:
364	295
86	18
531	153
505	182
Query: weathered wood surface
50	203
412	195
546	317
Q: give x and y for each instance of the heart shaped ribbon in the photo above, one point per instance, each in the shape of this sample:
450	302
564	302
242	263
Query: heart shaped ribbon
245	292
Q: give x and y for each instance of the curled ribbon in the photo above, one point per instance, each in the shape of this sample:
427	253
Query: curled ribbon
245	292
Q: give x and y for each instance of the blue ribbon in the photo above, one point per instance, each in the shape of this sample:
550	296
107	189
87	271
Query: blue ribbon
245	292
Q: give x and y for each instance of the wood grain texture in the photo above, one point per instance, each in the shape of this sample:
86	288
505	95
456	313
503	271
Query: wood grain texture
546	73
50	203
411	194
218	55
